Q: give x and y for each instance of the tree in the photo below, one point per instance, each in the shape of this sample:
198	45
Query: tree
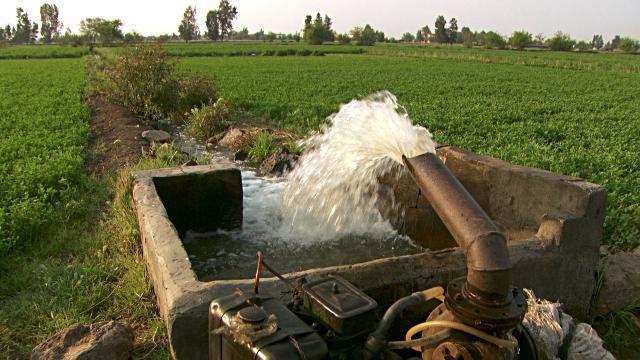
453	30
188	28
363	36
25	32
133	38
318	31
629	45
343	39
441	30
539	39
419	36
426	32
493	40
408	37
101	30
520	39
226	15
467	37
379	36
583	45
615	43
597	42
271	36
561	42
50	25
213	25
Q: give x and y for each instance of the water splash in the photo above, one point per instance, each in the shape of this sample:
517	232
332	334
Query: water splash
333	190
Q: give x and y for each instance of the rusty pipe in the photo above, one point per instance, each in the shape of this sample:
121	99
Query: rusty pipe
488	265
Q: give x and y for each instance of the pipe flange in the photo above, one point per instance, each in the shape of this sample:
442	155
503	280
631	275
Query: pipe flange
487	317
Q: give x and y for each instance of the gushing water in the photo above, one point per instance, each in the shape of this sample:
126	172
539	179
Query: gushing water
324	213
333	190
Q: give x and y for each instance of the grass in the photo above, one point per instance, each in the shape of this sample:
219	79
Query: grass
42	52
262	145
576	122
89	269
43	121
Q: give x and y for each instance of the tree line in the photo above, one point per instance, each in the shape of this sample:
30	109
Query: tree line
318	30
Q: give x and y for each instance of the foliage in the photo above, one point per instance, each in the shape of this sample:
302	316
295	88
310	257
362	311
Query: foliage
90	269
493	40
148	83
561	42
615	42
26	31
520	40
99	30
319	31
452	31
261	146
629	45
467	37
226	14
408	37
42	52
597	42
343	39
497	103
43	122
364	36
583	45
51	26
441	31
188	28
133	38
213	25
209	120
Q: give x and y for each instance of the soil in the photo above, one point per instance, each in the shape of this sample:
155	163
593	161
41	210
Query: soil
116	139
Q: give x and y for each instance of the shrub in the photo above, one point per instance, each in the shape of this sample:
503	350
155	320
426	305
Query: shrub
629	45
520	39
493	40
343	39
148	83
561	42
261	146
209	120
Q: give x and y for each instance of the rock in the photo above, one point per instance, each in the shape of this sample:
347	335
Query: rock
637	250
621	282
156	135
236	139
604	251
240	155
212	142
278	163
108	340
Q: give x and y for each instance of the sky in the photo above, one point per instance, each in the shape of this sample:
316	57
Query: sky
581	18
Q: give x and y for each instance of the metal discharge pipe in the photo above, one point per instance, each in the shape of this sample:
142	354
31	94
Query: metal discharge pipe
488	265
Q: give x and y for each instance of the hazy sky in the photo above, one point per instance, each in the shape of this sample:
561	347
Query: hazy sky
581	18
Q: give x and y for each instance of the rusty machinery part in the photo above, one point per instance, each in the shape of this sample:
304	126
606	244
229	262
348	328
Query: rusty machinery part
261	263
377	341
487	288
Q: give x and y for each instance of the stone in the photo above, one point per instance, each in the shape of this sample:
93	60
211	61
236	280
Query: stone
235	139
621	282
156	136
637	250
278	163
107	340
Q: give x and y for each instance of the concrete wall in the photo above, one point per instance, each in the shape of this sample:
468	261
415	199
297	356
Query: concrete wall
554	224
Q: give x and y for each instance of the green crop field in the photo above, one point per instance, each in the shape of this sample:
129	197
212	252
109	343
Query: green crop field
42	52
576	122
43	121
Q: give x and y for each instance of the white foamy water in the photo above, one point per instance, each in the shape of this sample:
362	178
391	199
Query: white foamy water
332	192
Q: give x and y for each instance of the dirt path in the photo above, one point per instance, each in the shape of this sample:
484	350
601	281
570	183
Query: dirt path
116	139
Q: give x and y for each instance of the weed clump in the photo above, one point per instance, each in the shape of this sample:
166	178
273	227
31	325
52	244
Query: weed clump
208	121
148	83
261	146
